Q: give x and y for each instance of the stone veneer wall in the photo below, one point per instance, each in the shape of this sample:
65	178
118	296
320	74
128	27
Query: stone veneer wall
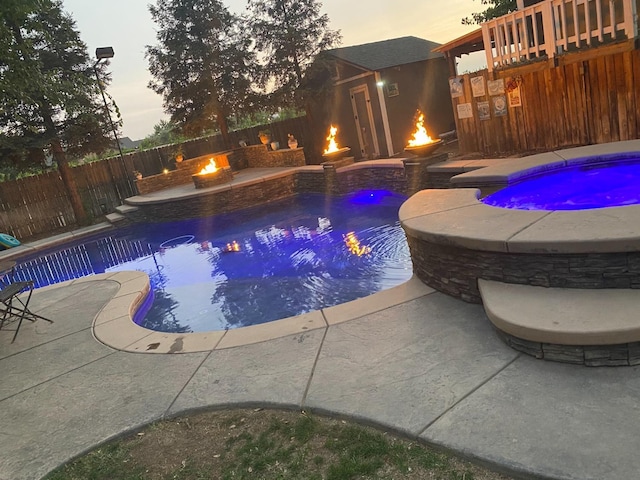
222	200
454	270
625	354
412	178
182	175
416	169
220	176
391	178
259	156
314	180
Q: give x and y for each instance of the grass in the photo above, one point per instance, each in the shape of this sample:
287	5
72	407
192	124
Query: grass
269	445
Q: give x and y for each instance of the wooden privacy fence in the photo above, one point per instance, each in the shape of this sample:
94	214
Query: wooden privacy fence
580	99
39	205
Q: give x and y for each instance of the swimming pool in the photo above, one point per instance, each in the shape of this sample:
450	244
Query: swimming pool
252	266
582	187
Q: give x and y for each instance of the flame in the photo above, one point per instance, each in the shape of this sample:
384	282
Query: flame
333	146
353	244
209	167
420	136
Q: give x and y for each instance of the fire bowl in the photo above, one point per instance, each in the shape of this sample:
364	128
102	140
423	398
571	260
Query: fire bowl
424	150
222	175
337	155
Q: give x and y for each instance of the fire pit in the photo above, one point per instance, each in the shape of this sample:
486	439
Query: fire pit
336	154
422	144
333	152
211	175
423	150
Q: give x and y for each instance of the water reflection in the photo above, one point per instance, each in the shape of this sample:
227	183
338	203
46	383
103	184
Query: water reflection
291	257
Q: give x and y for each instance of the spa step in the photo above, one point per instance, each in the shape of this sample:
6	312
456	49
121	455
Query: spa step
563	316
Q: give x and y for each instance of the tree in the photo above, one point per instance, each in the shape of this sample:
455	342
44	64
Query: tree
497	8
289	34
49	98
164	133
202	65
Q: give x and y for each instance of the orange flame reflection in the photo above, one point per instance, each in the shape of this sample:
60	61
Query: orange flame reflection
209	167
420	136
353	244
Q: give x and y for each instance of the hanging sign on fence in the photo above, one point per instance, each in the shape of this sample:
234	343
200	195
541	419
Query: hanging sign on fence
499	106
484	112
477	86
464	110
513	91
496	87
455	87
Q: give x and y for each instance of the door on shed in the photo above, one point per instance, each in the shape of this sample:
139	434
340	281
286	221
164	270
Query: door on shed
363	116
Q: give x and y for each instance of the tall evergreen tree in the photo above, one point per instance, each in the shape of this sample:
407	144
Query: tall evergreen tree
289	34
496	8
202	65
49	98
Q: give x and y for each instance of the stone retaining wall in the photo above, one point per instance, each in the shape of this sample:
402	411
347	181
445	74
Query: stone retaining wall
308	180
259	156
182	175
220	200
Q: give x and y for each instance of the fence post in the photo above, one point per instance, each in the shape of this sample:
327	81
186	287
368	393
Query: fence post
488	50
548	29
630	19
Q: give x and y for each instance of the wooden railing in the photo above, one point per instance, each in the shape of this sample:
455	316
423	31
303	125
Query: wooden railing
553	27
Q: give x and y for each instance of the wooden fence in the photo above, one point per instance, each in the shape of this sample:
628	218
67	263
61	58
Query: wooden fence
580	98
39	205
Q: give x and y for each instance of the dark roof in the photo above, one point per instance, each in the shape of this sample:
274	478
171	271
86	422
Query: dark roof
387	53
126	142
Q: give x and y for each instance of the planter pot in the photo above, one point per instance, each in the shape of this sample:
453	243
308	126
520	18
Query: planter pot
265	139
179	158
293	144
275	145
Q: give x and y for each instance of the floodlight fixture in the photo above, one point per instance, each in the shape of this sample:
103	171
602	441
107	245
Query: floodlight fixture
104	52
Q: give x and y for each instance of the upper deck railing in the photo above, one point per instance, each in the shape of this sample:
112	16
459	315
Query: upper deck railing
553	27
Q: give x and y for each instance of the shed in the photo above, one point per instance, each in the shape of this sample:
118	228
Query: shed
376	89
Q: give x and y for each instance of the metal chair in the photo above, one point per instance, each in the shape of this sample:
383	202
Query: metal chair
14	307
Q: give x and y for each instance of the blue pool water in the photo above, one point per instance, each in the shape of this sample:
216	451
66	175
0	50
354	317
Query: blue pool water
578	188
294	256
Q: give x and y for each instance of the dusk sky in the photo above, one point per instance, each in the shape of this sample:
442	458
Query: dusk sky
126	25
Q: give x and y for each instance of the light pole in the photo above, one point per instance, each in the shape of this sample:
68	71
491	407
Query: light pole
101	54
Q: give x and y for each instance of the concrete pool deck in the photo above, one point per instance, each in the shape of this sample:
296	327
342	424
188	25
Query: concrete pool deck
439	373
410	360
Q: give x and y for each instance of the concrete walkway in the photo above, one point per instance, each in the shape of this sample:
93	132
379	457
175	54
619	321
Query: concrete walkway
429	366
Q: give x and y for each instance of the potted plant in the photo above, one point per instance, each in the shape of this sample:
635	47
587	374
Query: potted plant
265	136
178	154
137	175
292	142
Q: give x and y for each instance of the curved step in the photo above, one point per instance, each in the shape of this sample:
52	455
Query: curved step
594	327
567	316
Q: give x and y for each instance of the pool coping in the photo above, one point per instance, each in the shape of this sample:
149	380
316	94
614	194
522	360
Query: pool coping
114	325
457	217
